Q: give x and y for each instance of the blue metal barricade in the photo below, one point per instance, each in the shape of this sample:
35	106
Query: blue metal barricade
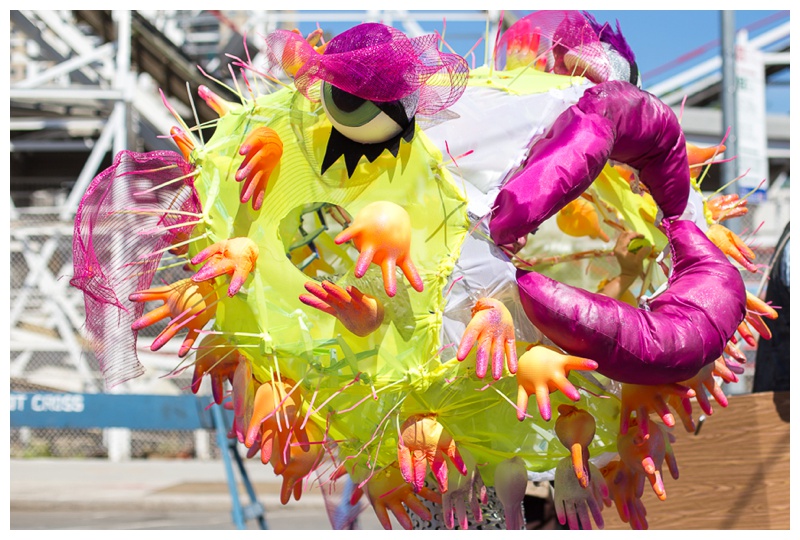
142	412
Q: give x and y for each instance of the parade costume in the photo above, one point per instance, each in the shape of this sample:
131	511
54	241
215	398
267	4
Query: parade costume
345	244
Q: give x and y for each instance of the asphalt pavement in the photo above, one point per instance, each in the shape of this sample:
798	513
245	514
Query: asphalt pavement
61	494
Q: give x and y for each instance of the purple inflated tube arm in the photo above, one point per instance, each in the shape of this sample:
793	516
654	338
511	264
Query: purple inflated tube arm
612	120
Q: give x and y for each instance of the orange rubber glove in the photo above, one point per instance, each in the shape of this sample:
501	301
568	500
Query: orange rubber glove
492	328
216	103
575	429
543	369
218	359
262	149
704	384
381	232
734	352
727	207
300	464
698	157
579	218
423	441
645	455
183	141
276	417
622	487
358	312
644	399
187	303
732	246
728	372
756	309
235	257
387	490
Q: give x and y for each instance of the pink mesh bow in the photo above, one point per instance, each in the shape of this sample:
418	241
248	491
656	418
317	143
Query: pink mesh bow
374	62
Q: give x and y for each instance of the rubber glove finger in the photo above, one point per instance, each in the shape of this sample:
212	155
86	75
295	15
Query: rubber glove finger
471	334
410	271
498	356
511	354
158	314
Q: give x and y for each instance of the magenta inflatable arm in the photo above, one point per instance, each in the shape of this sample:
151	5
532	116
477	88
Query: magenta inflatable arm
685	327
613	120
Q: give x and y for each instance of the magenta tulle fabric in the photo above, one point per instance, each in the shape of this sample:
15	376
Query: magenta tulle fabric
613	120
120	227
686	328
375	62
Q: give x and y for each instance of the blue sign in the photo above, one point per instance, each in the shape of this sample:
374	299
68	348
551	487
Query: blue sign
132	411
758	196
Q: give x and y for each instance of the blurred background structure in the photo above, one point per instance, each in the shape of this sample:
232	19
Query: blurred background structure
85	85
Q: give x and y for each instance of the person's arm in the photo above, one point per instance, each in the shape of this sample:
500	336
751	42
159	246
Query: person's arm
631	264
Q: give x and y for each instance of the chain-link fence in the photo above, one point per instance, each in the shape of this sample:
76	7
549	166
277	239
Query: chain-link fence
49	354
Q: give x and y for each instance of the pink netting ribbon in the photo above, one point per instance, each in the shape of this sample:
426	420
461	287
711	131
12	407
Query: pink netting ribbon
128	215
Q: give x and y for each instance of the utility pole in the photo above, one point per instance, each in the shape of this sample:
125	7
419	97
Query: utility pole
728	30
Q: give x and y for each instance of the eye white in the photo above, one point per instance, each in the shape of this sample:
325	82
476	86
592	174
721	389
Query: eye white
379	129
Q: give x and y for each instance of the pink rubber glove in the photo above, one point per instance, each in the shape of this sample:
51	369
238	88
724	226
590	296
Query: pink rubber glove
622	486
510	481
463	491
574	502
492	328
243	393
358	312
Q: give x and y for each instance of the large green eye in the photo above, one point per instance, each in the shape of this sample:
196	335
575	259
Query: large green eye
357	119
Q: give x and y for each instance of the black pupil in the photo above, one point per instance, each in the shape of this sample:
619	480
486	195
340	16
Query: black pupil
346	102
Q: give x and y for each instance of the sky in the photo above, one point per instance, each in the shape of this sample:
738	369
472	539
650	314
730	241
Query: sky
657	37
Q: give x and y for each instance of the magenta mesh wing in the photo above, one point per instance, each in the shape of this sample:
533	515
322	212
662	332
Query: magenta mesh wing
130	213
